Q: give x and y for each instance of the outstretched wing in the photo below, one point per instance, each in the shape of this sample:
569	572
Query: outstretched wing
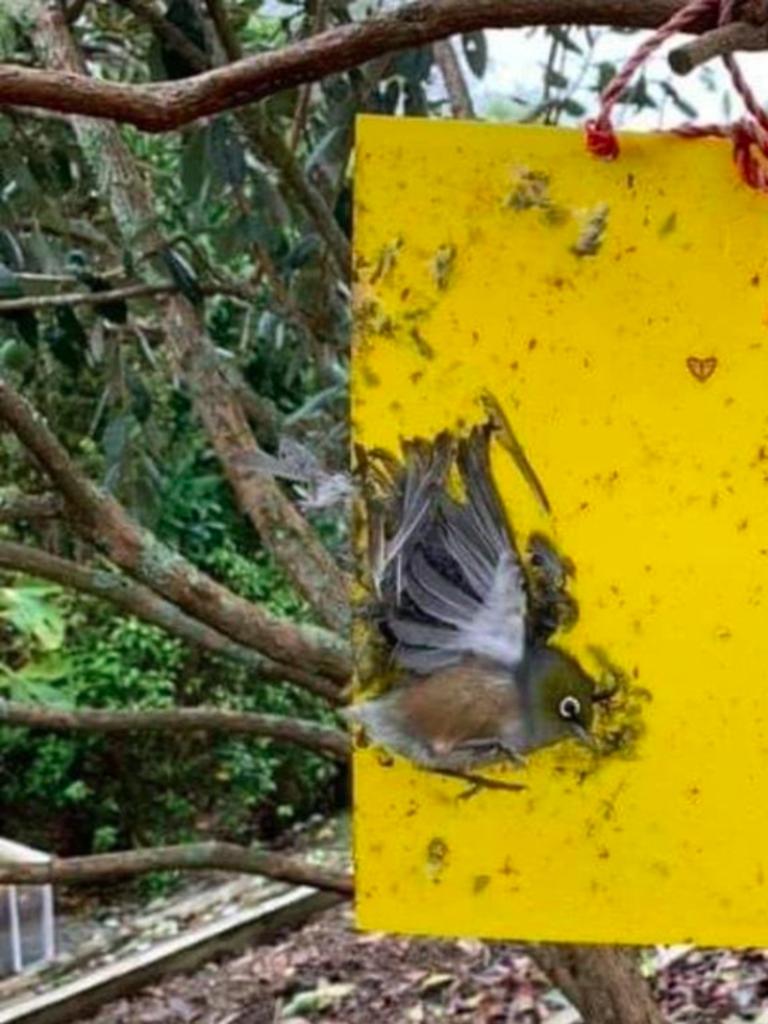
448	574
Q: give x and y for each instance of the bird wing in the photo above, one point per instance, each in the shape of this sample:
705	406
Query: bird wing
450	579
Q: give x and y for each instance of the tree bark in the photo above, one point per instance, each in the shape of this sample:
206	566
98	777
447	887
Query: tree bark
455	84
603	982
323	740
31	507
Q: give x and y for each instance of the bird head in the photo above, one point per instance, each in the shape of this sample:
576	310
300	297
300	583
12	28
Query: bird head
562	698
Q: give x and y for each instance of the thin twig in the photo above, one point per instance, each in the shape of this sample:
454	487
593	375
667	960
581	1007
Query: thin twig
305	93
130	291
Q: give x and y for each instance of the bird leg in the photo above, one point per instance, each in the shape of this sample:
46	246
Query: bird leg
478	782
484	751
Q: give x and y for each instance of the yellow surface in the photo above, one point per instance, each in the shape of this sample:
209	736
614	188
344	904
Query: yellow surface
658	480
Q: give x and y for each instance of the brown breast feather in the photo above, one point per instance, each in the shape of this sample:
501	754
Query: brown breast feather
464	702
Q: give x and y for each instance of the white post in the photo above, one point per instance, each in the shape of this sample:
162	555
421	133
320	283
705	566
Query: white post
49	932
13	917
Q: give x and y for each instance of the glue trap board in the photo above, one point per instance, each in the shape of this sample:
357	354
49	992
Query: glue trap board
617	312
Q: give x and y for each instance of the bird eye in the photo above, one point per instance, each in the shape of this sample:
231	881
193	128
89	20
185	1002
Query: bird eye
570	707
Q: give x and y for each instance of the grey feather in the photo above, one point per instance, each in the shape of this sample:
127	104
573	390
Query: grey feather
425	471
423	660
449	576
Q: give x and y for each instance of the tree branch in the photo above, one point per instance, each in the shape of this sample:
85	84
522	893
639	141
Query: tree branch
208	856
136	599
738	35
14	507
229	41
301	111
129	291
453	77
164	29
105	523
604	982
87	298
323	740
169	105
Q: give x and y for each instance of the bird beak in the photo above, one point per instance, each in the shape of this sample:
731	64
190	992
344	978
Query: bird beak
581	734
603	696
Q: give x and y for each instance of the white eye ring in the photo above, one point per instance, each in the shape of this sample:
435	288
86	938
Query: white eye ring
570	707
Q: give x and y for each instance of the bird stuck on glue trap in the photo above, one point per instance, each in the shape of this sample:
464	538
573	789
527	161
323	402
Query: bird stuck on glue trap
467	622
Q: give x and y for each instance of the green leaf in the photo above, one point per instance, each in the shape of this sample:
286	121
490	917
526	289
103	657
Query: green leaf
114	440
316	1000
33	682
15	355
682	105
475	48
183	275
195	169
67	340
573	108
390	97
605	72
415	99
555	79
304	250
414	65
116	311
638	96
10	286
28	609
330	148
24	320
141	399
11	252
563	37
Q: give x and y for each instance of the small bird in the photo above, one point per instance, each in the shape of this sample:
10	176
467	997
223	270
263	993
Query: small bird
466	624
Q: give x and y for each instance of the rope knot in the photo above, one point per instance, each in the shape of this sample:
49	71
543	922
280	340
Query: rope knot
601	139
749	136
750	154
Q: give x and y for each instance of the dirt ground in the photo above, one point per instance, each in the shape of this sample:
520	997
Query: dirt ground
327	972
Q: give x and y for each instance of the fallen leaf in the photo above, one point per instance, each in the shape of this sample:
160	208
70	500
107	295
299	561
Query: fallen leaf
320	998
433	981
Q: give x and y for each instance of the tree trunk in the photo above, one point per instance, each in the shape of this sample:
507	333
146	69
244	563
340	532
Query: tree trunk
603	982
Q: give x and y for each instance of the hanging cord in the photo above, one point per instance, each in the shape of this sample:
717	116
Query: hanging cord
748	135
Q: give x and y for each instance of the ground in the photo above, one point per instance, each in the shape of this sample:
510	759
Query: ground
327	972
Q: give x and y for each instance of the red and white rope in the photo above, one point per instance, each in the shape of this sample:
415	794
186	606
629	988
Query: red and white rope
748	135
